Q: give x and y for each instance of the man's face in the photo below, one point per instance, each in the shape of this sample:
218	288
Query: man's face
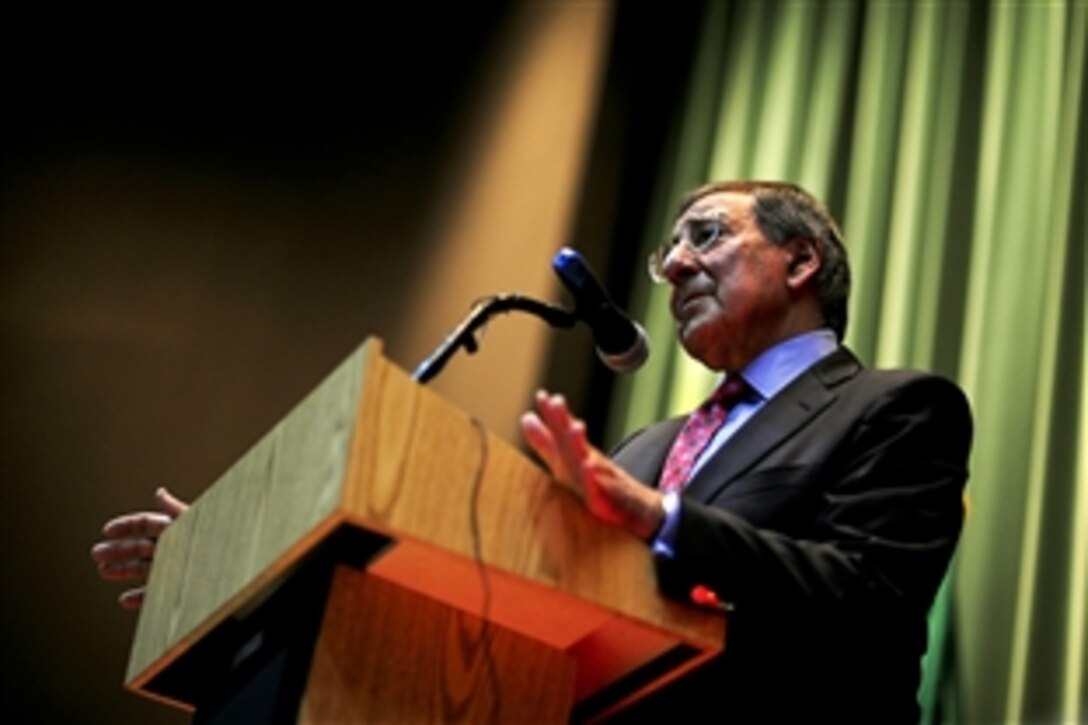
732	300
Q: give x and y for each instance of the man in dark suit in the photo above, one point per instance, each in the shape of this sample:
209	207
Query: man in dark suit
820	503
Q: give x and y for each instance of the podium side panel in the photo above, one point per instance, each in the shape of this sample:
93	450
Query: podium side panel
250	526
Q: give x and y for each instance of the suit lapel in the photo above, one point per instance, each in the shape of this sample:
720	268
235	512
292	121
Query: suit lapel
645	460
784	414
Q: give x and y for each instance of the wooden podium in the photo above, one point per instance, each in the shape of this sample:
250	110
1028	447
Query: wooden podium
379	556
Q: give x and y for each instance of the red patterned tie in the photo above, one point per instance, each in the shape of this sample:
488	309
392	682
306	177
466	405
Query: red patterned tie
697	432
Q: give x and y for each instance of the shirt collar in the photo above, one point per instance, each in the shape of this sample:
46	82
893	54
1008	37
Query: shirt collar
776	367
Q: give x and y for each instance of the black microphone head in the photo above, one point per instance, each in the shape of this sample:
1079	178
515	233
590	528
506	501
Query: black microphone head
631	358
575	274
621	343
613	332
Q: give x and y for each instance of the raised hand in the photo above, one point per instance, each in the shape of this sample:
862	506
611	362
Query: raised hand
609	493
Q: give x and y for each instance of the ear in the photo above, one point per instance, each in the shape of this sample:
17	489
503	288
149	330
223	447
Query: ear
803	263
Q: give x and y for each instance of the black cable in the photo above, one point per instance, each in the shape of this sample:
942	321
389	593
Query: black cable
486	632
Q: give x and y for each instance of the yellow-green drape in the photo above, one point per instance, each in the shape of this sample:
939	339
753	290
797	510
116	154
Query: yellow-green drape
949	139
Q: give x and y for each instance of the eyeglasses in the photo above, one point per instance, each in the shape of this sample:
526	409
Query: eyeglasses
698	235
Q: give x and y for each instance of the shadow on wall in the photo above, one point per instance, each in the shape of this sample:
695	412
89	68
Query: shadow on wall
194	235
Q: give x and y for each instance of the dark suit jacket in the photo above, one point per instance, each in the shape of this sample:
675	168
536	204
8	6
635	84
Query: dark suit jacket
828	521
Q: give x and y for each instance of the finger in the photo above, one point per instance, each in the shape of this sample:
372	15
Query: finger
596	499
569	447
542	442
569	433
576	442
553	411
169	504
555	415
537	435
547	427
147	524
116	550
132	599
127	570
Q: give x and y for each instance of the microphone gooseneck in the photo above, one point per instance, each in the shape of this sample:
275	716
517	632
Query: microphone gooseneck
621	342
464	335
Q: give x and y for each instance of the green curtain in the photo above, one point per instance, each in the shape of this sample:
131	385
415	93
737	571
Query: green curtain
949	139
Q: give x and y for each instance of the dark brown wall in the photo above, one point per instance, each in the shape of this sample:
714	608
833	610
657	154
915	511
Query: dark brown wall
196	229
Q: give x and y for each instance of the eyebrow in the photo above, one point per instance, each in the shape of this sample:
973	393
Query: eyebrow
715	216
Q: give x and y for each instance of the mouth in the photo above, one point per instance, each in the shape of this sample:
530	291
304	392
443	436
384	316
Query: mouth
684	305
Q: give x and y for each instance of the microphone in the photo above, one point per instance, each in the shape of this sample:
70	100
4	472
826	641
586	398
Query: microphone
621	342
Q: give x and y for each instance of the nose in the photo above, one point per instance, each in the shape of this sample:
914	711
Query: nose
679	264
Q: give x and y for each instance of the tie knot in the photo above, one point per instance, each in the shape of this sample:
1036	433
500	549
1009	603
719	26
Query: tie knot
733	390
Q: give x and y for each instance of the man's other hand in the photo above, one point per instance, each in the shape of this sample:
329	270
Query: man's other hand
128	546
